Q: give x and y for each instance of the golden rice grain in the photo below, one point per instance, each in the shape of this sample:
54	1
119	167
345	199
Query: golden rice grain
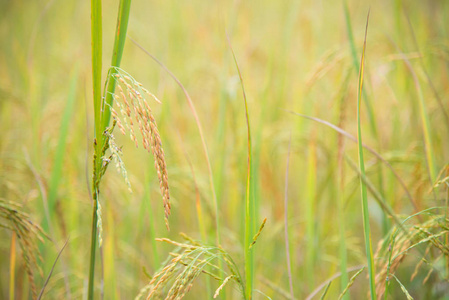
133	105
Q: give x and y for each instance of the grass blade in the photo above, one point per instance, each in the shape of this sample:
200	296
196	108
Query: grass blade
365	210
102	117
119	45
96	31
325	290
357	68
51	271
403	289
370	110
249	205
263	294
350	283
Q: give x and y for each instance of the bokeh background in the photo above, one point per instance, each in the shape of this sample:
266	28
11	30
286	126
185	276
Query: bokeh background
294	56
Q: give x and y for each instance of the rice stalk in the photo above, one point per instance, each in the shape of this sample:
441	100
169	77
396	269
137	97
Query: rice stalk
357	67
421	262
176	278
350	283
217	292
51	271
27	234
368	105
249	198
96	32
258	233
134	108
430	233
97	46
407	294
365	210
101	113
326	290
394	260
119	44
116	153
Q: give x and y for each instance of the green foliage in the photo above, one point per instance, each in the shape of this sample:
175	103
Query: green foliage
102	113
365	209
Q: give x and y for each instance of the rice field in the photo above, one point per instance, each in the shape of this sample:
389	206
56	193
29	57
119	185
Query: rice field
224	149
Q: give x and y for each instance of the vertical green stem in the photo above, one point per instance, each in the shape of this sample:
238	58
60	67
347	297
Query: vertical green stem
96	31
102	111
365	210
366	101
249	199
119	44
93	246
368	105
249	209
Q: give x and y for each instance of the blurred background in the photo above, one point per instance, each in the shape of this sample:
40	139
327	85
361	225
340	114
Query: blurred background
294	56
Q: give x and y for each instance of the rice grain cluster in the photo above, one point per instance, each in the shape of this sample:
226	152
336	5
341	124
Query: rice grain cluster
133	108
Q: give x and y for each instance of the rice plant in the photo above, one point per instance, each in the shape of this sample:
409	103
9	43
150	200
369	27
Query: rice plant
132	105
185	265
27	233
